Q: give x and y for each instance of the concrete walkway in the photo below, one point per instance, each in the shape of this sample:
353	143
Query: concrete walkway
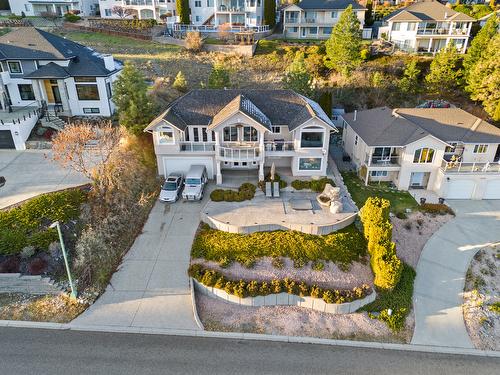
441	272
151	287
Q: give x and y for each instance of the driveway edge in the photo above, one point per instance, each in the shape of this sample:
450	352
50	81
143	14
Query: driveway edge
250	336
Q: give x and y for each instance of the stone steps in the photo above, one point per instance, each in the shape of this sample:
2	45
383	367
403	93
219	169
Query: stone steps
17	283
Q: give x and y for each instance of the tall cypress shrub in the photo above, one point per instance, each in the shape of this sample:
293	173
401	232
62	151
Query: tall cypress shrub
183	11
269	13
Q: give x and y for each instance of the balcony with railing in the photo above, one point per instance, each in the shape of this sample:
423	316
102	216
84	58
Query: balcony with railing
239	153
197	146
139	2
279	148
458	167
384	161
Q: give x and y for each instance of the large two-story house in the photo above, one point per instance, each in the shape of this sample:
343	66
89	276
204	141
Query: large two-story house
242	129
445	150
59	7
314	19
142	9
427	26
39	69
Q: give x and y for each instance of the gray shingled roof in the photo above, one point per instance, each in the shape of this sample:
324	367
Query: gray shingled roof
29	43
49	71
329	4
268	107
427	10
385	127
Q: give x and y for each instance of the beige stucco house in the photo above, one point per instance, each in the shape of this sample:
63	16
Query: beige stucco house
445	150
242	130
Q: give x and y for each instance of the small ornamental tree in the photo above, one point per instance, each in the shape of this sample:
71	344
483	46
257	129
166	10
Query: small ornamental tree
183	11
134	106
193	41
219	77
343	49
180	83
409	83
446	73
270	13
297	76
123	12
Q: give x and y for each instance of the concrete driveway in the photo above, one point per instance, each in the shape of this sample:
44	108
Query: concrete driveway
151	287
438	294
30	173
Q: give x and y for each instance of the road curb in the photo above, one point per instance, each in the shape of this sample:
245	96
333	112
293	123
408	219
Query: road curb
250	336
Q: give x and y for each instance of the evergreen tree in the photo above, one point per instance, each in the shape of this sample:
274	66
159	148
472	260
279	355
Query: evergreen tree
270	12
297	77
180	83
479	45
134	107
409	82
219	77
369	13
484	81
446	73
325	101
183	11
343	49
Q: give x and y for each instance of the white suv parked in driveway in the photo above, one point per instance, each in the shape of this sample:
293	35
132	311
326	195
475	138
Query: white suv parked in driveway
196	179
171	189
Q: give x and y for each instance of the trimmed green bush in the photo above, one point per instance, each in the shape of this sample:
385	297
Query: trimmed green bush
342	247
252	288
245	192
70	17
437	209
315	185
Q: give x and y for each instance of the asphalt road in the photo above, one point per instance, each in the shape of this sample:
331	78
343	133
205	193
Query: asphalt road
39	352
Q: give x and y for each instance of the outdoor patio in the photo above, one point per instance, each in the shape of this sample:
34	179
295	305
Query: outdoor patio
293	210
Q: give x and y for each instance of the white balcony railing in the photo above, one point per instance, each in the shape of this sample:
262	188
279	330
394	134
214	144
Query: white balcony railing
139	2
197	146
478	168
382	161
229	153
279	146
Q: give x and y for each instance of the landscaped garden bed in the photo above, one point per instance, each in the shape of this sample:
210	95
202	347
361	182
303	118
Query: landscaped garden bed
245	192
315	185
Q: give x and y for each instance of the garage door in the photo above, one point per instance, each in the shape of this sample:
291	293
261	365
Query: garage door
183	164
492	190
460	189
6	140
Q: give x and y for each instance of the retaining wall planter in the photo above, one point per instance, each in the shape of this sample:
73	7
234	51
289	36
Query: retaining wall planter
285	299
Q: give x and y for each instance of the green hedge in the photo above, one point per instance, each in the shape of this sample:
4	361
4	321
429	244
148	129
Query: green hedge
245	192
315	185
253	288
341	247
27	225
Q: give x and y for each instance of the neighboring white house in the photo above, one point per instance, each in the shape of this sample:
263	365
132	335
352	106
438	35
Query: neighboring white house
242	130
314	19
143	9
59	7
39	69
446	150
427	26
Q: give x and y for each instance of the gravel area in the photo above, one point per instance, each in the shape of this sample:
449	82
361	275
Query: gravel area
411	234
330	277
292	321
482	288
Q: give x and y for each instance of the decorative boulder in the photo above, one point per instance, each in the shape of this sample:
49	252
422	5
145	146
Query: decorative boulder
328	195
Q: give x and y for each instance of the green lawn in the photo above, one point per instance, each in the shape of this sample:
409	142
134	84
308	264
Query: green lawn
400	200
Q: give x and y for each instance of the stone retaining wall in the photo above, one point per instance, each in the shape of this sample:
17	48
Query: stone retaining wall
285	299
244	50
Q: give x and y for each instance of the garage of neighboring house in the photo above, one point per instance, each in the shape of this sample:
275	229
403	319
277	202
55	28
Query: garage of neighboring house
6	140
492	190
182	164
460	189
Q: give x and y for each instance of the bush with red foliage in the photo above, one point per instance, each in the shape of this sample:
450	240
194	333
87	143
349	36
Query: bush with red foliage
10	265
37	266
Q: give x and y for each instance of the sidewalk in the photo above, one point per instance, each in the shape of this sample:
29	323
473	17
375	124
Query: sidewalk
441	270
151	287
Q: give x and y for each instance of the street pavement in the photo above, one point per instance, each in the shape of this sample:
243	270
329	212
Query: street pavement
151	287
438	292
30	173
44	352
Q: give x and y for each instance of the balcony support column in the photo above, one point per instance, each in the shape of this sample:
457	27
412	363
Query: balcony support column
261	170
218	178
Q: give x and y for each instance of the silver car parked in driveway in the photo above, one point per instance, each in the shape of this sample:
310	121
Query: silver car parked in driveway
172	188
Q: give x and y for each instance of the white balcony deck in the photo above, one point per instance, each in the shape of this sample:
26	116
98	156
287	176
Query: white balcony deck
453	167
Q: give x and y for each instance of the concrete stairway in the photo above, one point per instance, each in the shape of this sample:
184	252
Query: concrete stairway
52	121
15	283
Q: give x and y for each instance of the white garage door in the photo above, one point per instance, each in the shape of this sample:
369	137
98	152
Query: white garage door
492	190
460	189
183	164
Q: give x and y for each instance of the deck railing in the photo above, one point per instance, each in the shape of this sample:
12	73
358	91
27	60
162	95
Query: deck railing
197	146
279	146
381	161
460	167
237	154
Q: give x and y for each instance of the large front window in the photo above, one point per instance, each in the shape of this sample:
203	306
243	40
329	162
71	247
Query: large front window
423	155
480	149
15	67
250	134
166	135
309	164
311	140
86	88
230	134
26	92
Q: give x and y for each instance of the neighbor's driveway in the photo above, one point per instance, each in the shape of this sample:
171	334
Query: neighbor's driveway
151	287
30	173
441	272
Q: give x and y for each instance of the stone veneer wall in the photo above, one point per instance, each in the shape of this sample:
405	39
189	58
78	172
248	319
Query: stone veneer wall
285	299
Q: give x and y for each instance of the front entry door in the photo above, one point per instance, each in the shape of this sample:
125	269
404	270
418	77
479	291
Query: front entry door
56	94
303	32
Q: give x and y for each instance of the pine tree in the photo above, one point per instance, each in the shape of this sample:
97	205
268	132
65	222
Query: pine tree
484	81
219	77
446	73
297	77
180	83
134	107
270	13
343	49
183	11
409	82
479	45
369	13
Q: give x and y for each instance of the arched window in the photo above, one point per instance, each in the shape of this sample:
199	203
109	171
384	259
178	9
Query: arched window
423	155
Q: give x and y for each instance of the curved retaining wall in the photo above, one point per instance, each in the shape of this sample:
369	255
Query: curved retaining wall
285	299
318	229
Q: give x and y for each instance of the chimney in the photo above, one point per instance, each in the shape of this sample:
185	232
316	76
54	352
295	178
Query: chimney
109	62
355	114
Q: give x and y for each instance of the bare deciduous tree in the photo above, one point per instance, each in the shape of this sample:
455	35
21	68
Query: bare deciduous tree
123	12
